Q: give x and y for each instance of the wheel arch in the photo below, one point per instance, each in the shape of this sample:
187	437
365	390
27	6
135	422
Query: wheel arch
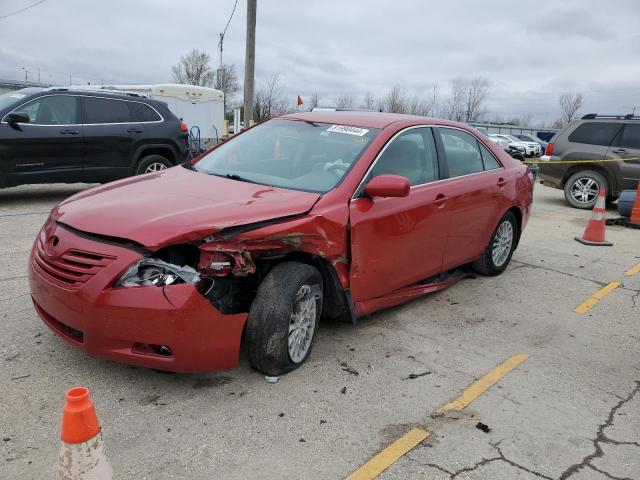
335	302
163	150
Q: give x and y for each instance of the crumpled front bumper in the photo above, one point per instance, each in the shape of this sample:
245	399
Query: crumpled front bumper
129	324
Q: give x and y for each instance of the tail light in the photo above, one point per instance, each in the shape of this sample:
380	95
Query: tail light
184	127
549	150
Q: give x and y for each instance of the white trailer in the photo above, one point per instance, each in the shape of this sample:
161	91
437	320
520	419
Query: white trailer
200	107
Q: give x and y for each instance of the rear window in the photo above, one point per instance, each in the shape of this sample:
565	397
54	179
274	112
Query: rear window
595	133
630	137
105	110
141	112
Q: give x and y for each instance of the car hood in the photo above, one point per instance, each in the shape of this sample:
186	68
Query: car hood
176	205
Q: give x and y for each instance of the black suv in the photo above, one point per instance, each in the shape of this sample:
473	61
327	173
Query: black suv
59	135
611	146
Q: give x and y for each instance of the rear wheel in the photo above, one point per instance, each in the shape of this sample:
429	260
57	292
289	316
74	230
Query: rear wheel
581	189
497	255
152	163
283	318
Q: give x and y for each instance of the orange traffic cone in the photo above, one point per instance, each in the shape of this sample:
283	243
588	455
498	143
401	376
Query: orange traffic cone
594	233
82	454
634	220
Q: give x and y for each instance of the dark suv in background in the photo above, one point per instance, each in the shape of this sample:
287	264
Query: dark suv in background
59	135
614	139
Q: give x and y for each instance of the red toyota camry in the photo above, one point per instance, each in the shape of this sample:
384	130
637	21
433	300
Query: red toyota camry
309	215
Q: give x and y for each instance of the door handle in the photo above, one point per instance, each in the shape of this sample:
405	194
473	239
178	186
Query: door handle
134	130
69	131
501	182
440	200
620	150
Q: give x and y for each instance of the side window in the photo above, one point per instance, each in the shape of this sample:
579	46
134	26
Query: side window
413	155
52	110
490	162
463	154
595	133
105	110
141	112
629	137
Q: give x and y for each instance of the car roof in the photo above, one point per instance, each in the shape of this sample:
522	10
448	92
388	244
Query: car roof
367	119
96	93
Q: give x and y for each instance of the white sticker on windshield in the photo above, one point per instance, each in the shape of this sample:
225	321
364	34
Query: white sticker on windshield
360	132
17	95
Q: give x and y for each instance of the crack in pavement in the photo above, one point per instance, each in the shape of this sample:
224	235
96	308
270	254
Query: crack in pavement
542	267
484	461
531	265
601	437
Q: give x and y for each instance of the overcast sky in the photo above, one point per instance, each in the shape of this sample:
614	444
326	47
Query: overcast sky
530	51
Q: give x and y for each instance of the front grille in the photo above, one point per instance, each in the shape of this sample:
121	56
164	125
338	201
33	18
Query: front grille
72	269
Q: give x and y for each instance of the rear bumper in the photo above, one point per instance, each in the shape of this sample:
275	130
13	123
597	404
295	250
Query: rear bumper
128	324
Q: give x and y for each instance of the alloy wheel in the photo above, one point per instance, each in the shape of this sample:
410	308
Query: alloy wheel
302	324
155	167
585	190
502	243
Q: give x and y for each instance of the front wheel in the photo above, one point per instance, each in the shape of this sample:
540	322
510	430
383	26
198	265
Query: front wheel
283	318
497	255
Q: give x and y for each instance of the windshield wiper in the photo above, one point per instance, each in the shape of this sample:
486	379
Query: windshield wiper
233	176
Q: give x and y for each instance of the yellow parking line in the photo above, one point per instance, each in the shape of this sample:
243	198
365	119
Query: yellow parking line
596	297
478	387
412	438
633	270
389	455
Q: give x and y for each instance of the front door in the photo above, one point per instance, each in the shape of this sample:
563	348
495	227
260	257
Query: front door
47	149
396	242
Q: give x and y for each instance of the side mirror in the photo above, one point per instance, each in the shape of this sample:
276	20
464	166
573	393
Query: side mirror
388	186
17	117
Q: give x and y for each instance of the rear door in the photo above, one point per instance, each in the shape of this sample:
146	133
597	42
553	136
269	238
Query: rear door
475	190
396	242
111	137
47	149
627	145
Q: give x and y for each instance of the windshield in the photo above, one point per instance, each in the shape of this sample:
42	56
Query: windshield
11	98
292	154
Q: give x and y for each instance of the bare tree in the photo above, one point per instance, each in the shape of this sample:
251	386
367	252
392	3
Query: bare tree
570	103
315	100
227	81
453	108
270	101
478	91
345	102
396	101
418	105
194	69
368	102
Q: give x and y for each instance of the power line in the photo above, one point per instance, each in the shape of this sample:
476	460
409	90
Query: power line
230	17
22	9
225	31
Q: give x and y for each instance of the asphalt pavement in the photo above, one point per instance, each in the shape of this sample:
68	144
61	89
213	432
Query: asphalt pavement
568	408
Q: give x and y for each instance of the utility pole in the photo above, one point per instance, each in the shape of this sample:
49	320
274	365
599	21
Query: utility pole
250	62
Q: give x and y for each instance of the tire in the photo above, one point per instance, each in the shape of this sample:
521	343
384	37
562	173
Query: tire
490	264
152	163
581	188
289	288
